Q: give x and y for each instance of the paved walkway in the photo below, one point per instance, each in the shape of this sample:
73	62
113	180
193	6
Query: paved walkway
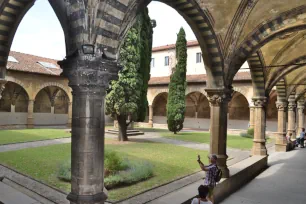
284	182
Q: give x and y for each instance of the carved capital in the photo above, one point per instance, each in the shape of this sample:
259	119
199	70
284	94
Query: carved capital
217	97
89	72
291	106
301	105
260	102
281	106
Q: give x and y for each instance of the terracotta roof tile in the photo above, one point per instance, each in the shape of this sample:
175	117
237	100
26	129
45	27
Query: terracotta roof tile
196	78
29	63
172	46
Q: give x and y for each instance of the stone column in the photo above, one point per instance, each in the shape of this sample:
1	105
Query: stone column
291	117
259	142
218	100
301	116
151	115
12	108
89	77
30	119
252	115
69	115
281	140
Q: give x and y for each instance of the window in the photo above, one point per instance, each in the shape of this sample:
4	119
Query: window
152	62
167	61
199	57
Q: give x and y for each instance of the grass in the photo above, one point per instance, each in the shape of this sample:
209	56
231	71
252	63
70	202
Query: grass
27	135
169	163
233	141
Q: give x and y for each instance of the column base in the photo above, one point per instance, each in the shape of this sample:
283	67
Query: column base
99	198
281	142
30	123
150	124
221	162
259	148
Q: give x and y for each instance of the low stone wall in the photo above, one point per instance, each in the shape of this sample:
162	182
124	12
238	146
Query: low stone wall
241	174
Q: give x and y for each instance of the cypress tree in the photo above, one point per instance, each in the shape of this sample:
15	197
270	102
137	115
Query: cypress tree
146	39
176	98
124	94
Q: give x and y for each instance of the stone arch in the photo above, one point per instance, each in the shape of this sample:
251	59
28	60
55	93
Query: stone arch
271	113
11	14
281	90
243	93
15	95
284	23
151	97
160	104
51	96
197	105
55	84
199	20
238	107
20	83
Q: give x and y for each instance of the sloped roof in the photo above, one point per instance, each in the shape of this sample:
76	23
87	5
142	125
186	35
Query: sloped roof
33	64
196	78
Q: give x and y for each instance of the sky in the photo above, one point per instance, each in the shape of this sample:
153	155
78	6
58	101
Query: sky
40	32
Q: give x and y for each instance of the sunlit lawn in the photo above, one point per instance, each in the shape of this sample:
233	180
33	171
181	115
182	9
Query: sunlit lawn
170	162
233	141
27	135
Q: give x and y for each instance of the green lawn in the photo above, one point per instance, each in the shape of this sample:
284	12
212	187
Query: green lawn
233	141
170	162
27	135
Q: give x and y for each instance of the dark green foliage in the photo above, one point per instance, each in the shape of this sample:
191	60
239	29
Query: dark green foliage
176	99
124	94
118	172
146	39
248	134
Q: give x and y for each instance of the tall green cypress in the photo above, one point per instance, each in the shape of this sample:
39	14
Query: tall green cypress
146	39
176	99
124	94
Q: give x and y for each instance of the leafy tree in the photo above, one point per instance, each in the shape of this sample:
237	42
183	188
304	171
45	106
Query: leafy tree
176	99
146	39
124	95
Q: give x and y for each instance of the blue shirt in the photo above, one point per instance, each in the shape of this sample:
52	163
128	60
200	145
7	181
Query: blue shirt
302	135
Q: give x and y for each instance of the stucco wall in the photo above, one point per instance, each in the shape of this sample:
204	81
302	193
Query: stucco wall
7	118
50	119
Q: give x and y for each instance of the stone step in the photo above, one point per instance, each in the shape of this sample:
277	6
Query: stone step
9	195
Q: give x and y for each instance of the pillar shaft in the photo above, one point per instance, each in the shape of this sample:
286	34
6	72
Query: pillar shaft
12	108
30	119
301	116
281	140
151	115
252	115
69	115
88	77
291	118
259	142
218	100
52	109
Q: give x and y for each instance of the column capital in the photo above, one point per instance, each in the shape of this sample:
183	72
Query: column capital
216	97
281	105
260	102
89	72
301	105
291	105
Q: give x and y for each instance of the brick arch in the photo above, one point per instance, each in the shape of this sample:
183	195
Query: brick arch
20	83
238	107
264	33
58	85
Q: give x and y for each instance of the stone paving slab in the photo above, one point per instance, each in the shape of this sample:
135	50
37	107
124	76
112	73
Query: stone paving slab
8	195
282	183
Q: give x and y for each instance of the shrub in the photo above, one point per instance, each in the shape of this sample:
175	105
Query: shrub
114	163
251	132
139	171
64	171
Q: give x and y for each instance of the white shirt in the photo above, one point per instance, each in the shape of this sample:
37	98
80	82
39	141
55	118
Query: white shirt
196	201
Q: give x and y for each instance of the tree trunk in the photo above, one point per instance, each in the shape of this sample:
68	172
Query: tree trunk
122	128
